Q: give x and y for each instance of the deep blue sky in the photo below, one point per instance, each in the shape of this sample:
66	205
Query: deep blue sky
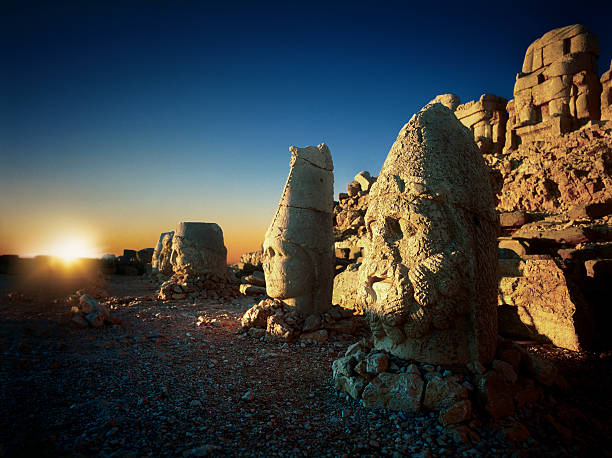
111	115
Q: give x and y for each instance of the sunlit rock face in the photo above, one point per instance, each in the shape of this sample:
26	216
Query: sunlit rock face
606	95
158	249
558	89
428	279
160	261
197	248
486	118
450	101
298	257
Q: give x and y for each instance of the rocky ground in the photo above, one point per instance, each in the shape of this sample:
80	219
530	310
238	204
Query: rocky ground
176	379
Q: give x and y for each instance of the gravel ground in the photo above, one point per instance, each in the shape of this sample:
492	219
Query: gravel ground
160	384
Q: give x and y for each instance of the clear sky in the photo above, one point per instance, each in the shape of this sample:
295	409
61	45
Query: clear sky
120	119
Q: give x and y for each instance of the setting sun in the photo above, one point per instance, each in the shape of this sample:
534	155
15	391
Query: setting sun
73	247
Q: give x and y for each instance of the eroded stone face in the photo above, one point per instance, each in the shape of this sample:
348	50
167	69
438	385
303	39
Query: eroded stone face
289	269
157	253
428	279
164	257
298	247
197	248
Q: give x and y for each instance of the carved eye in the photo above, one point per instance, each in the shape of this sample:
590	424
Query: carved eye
393	230
271	252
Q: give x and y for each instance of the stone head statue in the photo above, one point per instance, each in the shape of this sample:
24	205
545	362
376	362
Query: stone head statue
197	248
429	275
162	257
298	248
157	251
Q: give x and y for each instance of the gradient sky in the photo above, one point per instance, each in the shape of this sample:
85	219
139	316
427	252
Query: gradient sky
117	122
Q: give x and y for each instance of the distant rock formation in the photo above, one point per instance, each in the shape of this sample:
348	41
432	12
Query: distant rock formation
606	95
486	118
558	89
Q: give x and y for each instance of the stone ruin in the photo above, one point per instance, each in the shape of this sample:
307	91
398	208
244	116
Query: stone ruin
428	283
487	119
198	248
606	95
298	246
198	260
558	89
298	258
349	226
160	261
428	279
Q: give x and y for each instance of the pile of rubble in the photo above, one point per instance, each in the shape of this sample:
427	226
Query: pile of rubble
349	225
183	286
272	319
513	380
86	311
557	174
250	272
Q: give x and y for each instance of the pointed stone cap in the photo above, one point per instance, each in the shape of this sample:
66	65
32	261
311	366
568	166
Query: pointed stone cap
435	156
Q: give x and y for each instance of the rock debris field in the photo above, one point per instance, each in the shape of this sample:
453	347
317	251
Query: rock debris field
178	379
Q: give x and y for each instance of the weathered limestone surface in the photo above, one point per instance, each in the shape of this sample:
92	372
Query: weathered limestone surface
450	101
537	303
486	118
558	89
162	254
346	285
556	174
298	248
606	95
197	248
429	276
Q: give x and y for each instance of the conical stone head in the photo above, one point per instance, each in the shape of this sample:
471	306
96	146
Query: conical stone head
429	275
298	247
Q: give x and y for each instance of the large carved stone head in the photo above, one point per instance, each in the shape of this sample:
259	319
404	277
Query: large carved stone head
428	279
298	247
198	248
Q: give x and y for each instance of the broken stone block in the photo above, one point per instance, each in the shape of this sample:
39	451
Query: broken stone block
353	386
252	290
497	395
344	366
394	391
365	180
540	304
456	413
441	393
